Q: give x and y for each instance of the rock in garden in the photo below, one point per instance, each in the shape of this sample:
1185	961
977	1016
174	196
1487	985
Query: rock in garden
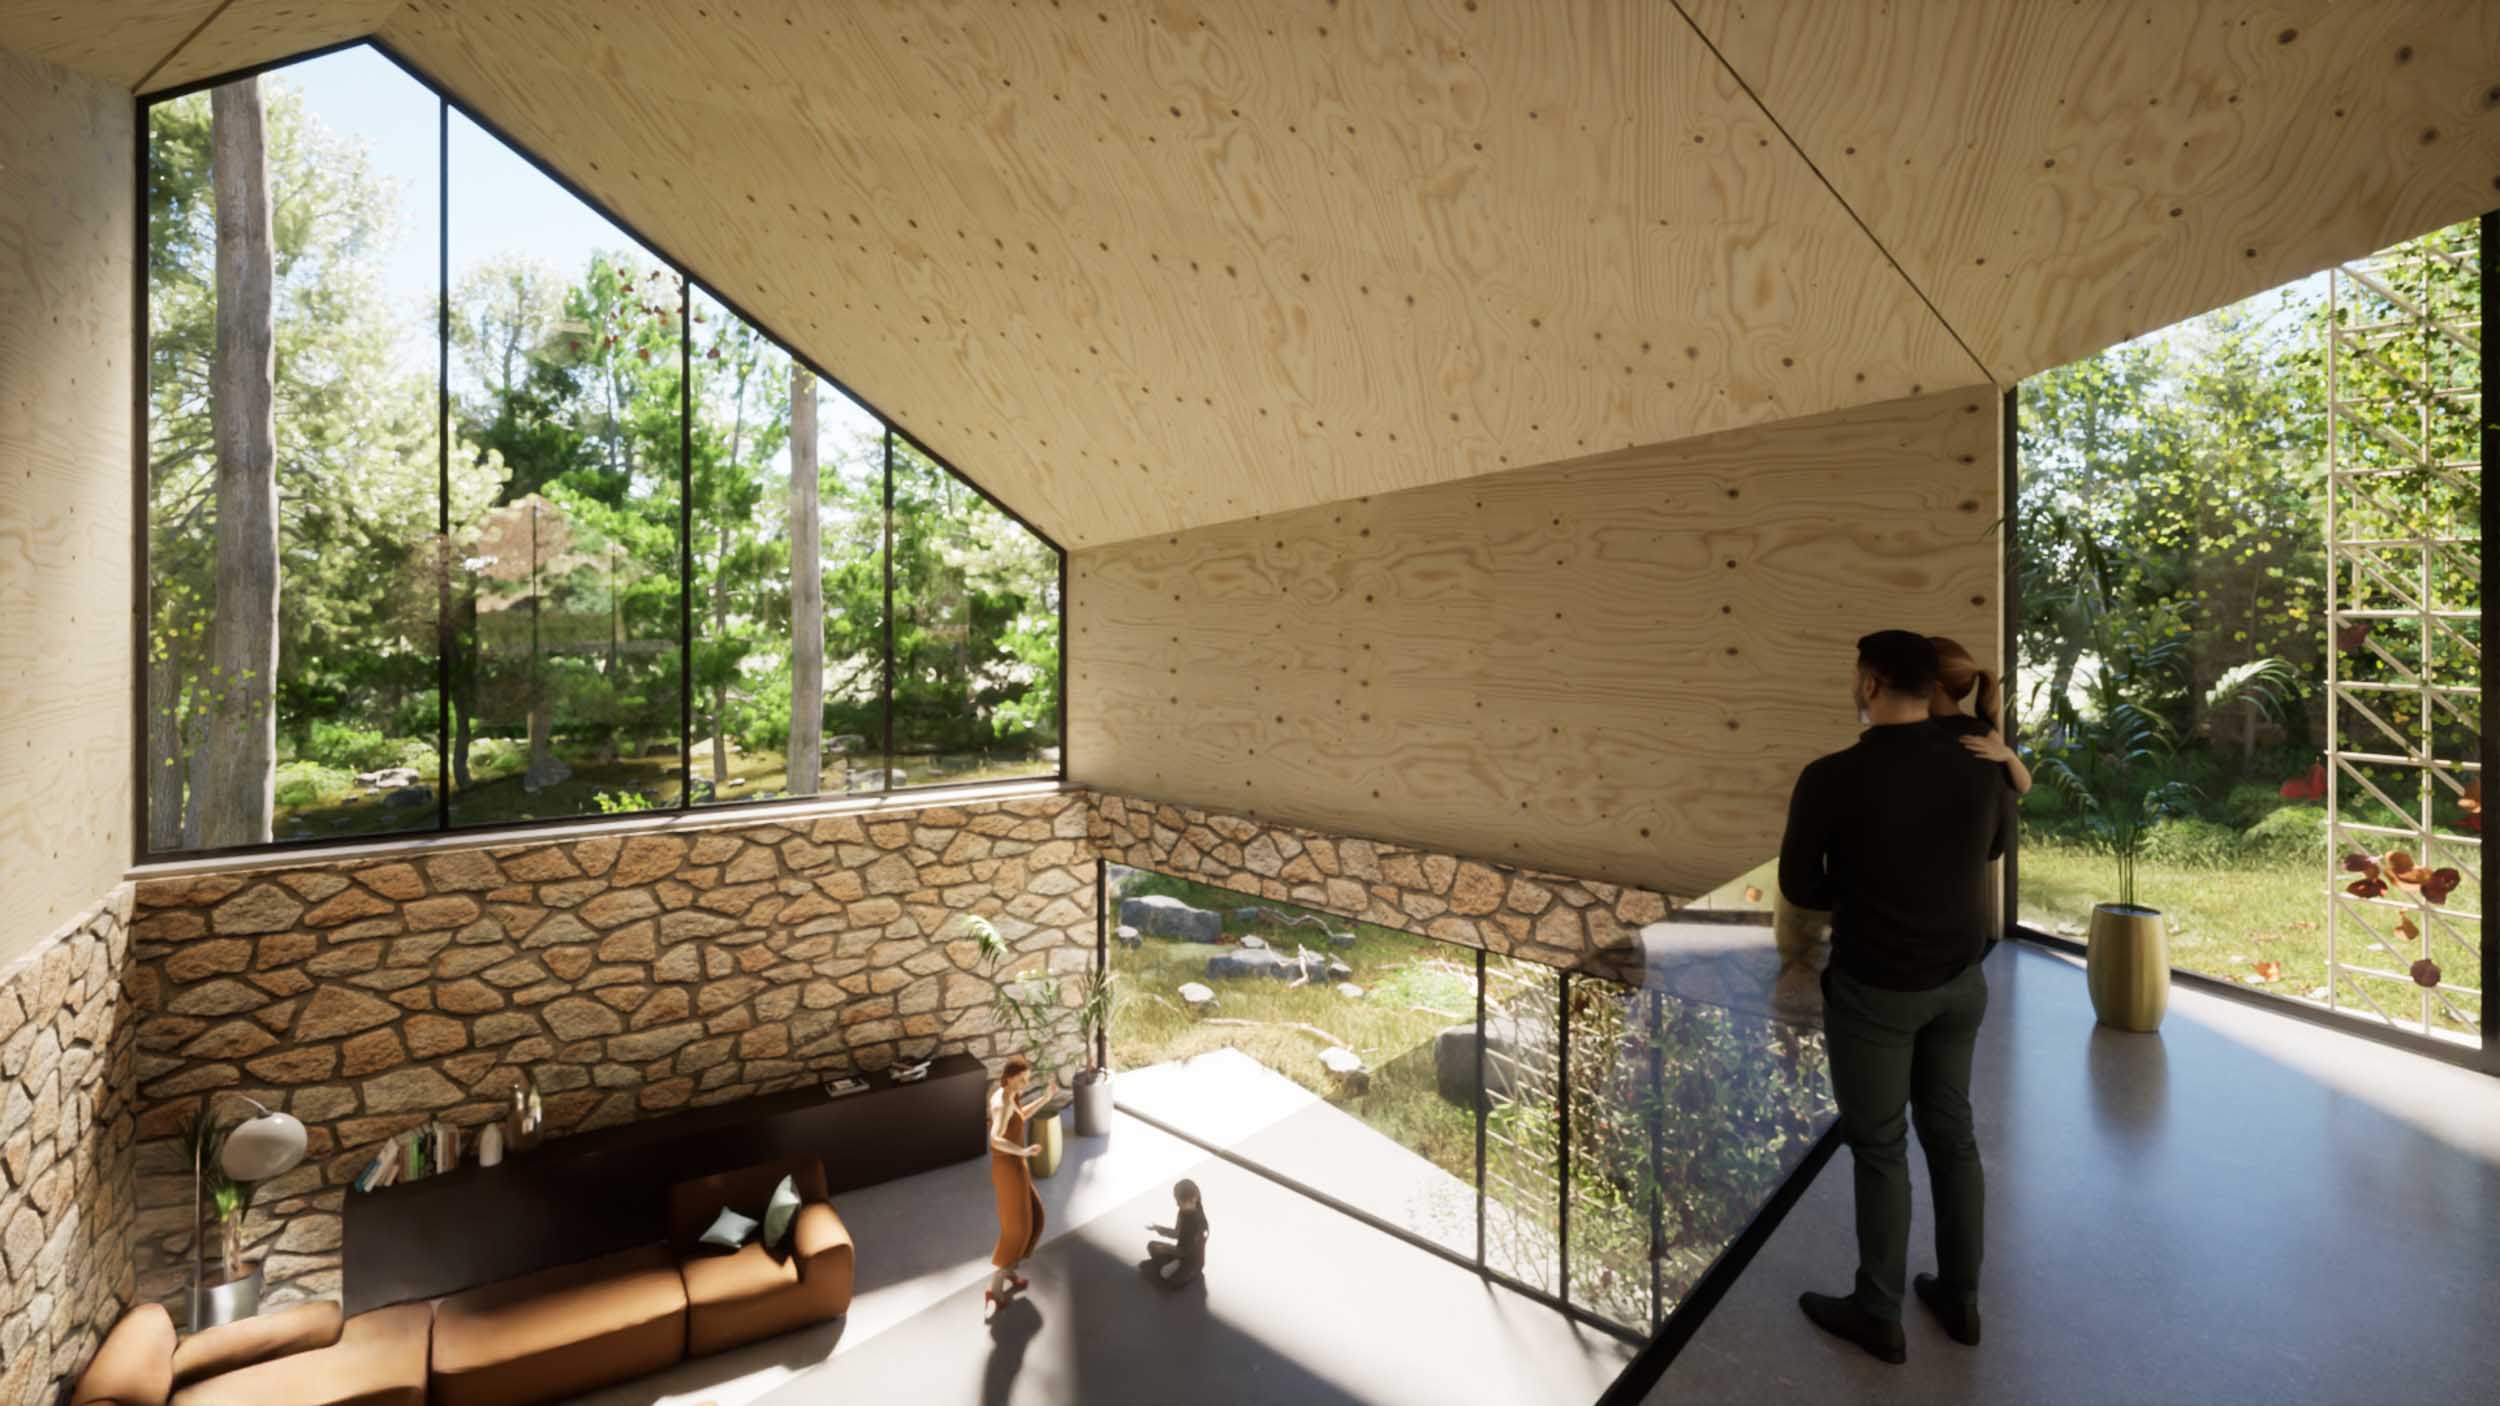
1129	936
1342	941
1246	917
1237	966
1166	916
1349	990
1198	998
1513	1056
1254	943
408	798
1339	971
1345	1067
389	778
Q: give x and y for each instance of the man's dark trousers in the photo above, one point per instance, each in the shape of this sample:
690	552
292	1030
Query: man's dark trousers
1888	1049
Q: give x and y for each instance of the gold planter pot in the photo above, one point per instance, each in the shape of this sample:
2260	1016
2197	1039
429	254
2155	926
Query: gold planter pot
1050	1132
2127	966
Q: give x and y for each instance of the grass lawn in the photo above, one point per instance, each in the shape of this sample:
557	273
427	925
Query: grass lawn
2225	921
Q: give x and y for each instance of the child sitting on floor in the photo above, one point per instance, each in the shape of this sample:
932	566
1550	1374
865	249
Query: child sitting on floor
1183	1257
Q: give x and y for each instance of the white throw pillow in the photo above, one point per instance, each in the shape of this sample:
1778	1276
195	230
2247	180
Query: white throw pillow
729	1229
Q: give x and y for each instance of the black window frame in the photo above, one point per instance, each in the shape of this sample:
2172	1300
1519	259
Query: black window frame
690	283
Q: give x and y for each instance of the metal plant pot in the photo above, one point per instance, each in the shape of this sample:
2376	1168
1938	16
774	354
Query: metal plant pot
1051	1133
1093	1103
2127	967
230	1302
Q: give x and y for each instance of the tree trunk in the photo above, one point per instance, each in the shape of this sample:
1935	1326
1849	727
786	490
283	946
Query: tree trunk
807	594
239	762
165	755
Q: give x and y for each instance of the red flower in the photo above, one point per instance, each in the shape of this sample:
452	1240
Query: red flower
2425	972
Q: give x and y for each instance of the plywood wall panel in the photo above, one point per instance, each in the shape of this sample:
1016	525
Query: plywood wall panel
1139	266
2060	177
249	32
1611	666
119	43
65	501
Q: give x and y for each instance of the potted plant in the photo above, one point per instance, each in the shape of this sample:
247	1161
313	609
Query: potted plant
1032	1007
233	1293
1097	997
2110	754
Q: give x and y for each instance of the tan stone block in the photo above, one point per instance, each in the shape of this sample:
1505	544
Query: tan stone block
261	908
277	1016
681	963
538	864
571	892
656	1043
685	927
469	961
519	919
415	951
413	1090
1560	928
172	925
371	1052
704	1054
581	1018
348	960
333	1011
734	901
613	976
431	1035
448	912
520	971
503	1027
1476	890
616	908
875	912
714	849
842	885
483	930
303	1064
719	996
646	858
393	880
666	1004
568	963
195	960
468	997
462	871
232	1040
348	905
777	1004
1640	907
764	1042
668	1093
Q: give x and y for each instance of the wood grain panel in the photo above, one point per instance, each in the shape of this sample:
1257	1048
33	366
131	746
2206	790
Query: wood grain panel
2058	178
248	32
117	42
1610	667
65	504
1138	266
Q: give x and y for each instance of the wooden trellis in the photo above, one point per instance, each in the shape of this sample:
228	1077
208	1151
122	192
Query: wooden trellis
2404	657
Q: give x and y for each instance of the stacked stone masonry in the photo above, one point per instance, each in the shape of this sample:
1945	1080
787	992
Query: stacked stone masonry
66	1126
1531	913
628	975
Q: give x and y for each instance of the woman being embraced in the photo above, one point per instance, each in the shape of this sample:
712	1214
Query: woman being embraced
1011	1177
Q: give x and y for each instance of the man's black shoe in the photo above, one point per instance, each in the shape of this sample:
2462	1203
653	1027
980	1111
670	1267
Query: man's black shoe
1843	1318
1960	1321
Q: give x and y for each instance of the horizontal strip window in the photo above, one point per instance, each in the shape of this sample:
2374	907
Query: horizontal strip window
465	509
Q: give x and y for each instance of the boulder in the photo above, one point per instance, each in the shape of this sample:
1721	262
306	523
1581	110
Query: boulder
1345	1069
1515	1054
1253	943
1247	918
1339	971
389	778
408	797
1342	941
1250	962
1130	937
1165	916
1349	990
1199	999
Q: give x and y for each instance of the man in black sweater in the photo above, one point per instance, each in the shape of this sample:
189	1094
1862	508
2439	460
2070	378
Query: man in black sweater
1894	836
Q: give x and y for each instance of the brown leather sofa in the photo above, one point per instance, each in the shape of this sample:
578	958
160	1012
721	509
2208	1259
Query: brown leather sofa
298	1356
541	1337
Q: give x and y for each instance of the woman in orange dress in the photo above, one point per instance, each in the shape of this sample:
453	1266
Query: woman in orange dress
1011	1177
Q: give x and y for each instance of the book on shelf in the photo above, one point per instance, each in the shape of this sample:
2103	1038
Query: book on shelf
846	1084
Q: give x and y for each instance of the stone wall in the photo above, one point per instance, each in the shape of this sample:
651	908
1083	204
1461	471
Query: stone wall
629	974
1532	913
66	1197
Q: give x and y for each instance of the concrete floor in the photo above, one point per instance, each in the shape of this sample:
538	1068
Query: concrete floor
1301	1306
2242	1208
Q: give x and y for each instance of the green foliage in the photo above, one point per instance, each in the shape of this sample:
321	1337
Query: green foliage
2190	842
306	783
621	802
2289	834
351	748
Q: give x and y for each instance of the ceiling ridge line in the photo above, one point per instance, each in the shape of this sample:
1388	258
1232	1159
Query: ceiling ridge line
1776	125
181	44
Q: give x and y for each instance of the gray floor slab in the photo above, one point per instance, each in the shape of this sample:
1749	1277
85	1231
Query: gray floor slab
2241	1208
1301	1306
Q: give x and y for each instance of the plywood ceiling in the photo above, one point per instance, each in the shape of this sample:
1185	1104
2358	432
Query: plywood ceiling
2061	177
1141	265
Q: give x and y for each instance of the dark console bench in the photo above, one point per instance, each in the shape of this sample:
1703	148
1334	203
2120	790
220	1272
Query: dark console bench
572	1198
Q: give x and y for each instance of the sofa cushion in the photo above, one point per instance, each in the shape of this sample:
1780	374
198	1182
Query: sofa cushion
692	1204
756	1294
560	1332
135	1365
299	1328
729	1230
379	1359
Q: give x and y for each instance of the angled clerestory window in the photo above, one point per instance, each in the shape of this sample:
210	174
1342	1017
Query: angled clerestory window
466	508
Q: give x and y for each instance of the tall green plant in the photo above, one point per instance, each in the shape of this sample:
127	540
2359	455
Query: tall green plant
1032	1006
229	1200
